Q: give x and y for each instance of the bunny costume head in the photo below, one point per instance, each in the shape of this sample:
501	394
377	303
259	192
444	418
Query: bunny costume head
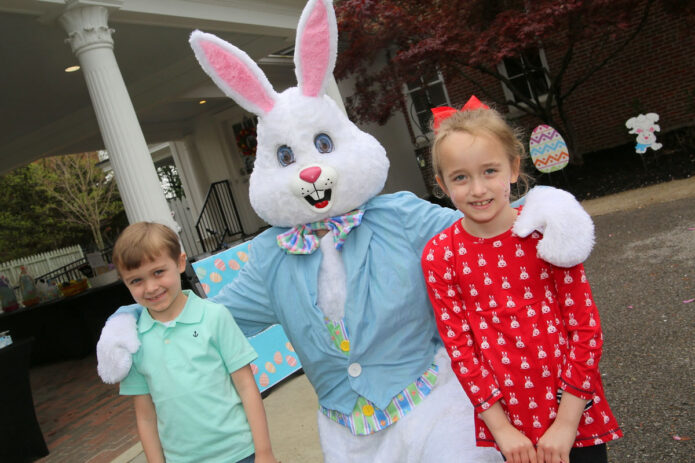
311	161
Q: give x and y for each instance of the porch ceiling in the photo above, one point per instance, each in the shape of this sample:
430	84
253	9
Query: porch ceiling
45	111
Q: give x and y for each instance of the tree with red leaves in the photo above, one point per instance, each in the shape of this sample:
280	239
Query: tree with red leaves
384	43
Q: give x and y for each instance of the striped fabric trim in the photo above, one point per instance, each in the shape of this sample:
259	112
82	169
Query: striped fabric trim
367	418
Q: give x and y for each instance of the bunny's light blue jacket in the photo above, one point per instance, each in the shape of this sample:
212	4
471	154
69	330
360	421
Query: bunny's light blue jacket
393	336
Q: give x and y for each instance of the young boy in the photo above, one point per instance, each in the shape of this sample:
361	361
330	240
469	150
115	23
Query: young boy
187	408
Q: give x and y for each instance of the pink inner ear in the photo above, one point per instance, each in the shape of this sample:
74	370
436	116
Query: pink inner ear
315	49
237	75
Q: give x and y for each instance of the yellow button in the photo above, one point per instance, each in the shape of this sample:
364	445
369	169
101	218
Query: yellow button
345	345
368	410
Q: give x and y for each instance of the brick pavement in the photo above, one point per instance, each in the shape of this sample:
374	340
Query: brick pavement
82	419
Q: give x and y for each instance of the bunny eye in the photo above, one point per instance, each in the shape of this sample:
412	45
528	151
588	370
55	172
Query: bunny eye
323	143
285	156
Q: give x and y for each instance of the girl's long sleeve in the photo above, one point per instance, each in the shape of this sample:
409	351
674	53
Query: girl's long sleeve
581	318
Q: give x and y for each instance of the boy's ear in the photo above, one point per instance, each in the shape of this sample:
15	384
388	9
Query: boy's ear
182	262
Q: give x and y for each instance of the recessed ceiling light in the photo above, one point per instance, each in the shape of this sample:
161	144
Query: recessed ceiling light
72	68
202	101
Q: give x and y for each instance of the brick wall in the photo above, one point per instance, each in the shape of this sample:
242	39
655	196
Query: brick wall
654	73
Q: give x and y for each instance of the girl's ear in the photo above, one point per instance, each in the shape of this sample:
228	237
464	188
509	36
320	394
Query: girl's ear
516	169
316	47
441	184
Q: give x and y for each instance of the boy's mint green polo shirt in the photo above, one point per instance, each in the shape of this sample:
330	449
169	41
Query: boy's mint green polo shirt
185	367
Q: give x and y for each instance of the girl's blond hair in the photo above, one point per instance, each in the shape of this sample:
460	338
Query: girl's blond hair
483	122
143	242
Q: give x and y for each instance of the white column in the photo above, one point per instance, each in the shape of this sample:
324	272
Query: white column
138	183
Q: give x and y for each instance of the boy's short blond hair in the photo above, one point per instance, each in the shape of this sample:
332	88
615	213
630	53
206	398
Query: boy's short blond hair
143	242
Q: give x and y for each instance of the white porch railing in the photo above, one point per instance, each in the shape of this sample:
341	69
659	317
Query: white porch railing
40	264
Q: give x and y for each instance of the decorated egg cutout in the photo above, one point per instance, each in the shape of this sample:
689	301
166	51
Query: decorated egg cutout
270	368
548	149
206	288
291	361
263	380
289	347
254	368
219	265
242	256
201	272
215	277
234	265
277	358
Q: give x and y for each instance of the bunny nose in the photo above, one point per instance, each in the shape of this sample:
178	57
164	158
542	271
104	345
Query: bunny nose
310	174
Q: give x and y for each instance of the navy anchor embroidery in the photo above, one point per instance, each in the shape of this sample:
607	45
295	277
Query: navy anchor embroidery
195	334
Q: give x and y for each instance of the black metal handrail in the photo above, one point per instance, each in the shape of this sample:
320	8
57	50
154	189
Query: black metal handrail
219	218
75	270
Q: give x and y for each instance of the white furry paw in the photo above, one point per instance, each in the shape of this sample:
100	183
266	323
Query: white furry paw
568	231
118	342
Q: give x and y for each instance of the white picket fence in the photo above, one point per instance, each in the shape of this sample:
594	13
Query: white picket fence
40	264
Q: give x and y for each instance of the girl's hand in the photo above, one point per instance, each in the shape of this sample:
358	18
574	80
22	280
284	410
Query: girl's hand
515	447
555	444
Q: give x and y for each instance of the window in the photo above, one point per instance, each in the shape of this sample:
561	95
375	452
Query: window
527	75
426	93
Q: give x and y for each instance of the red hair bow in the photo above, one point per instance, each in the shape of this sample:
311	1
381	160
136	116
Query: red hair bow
443	112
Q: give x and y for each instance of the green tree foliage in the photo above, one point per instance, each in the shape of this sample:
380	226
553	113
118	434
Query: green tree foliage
55	202
80	190
386	43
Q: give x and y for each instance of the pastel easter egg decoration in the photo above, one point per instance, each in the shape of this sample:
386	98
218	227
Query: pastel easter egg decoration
289	347
269	367
206	287
234	265
277	358
215	277
219	265
263	380
291	361
254	368
548	149
201	272
242	256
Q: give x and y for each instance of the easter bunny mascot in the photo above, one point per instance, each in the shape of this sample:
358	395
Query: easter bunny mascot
340	268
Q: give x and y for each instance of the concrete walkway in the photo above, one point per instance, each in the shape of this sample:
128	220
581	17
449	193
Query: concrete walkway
292	406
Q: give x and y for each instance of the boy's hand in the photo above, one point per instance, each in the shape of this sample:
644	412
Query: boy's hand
515	447
555	445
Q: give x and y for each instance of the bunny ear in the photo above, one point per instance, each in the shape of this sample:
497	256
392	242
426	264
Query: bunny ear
316	47
234	72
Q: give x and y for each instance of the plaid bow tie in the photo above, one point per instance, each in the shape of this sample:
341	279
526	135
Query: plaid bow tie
303	239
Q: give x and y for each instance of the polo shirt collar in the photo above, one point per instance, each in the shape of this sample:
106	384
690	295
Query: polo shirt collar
192	313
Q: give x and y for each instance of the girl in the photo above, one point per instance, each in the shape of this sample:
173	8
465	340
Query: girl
524	336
